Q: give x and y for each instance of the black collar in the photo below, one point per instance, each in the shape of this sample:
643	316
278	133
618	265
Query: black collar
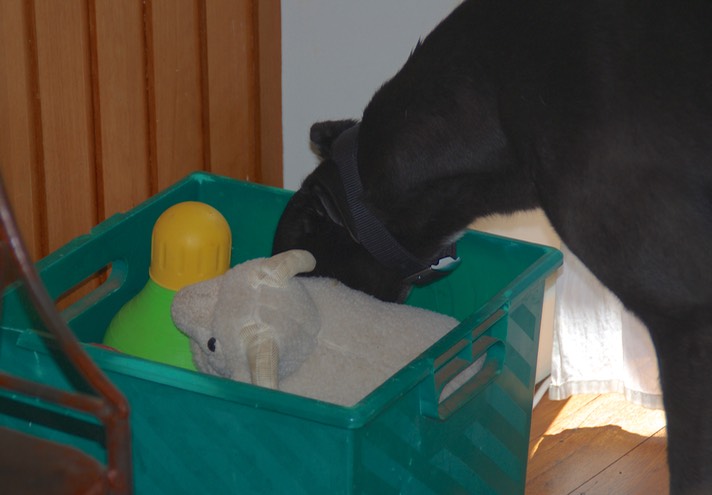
368	230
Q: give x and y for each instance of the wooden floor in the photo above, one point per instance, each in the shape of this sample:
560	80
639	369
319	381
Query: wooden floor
596	445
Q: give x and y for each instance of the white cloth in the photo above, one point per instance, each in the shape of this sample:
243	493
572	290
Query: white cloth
599	346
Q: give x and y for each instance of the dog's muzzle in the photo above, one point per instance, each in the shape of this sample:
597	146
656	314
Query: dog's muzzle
342	198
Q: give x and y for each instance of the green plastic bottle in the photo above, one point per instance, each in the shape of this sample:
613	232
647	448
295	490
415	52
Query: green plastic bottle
191	243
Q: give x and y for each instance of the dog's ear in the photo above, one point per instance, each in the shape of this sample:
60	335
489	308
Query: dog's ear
323	134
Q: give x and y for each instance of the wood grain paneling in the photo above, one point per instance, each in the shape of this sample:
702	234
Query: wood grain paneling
67	119
20	147
269	49
232	71
175	30
105	103
122	110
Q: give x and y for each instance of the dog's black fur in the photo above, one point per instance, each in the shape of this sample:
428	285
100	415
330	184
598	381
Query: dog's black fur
600	112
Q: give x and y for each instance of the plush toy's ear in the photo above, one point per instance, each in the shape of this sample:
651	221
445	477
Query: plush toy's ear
193	307
323	134
278	269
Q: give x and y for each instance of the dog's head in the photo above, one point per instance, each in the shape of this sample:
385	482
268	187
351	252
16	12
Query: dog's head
315	220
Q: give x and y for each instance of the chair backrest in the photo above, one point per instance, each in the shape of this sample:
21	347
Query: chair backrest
97	398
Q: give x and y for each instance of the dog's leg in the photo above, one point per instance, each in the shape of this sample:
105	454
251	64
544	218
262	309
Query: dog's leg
681	331
657	260
684	351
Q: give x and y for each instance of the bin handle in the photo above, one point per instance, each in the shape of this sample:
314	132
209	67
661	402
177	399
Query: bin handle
477	359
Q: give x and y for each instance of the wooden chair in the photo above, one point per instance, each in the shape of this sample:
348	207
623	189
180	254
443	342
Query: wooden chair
35	465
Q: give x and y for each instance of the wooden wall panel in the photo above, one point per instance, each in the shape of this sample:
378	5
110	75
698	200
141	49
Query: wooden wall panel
232	71
174	27
67	119
269	48
122	111
105	103
18	148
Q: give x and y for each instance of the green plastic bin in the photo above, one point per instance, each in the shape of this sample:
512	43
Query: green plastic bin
194	434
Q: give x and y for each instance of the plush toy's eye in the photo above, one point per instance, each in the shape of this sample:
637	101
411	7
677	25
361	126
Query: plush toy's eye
211	344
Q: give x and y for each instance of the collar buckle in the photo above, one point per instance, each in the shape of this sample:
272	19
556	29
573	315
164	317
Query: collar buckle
434	272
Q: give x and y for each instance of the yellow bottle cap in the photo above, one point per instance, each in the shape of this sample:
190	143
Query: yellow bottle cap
191	243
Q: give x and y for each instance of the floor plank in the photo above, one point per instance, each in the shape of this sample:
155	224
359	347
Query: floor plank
550	412
596	443
641	471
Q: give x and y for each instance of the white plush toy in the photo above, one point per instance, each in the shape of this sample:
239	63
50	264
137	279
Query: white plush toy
314	337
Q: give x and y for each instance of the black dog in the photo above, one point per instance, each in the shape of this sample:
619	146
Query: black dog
600	112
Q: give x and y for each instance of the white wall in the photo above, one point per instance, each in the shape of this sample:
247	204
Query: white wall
335	54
